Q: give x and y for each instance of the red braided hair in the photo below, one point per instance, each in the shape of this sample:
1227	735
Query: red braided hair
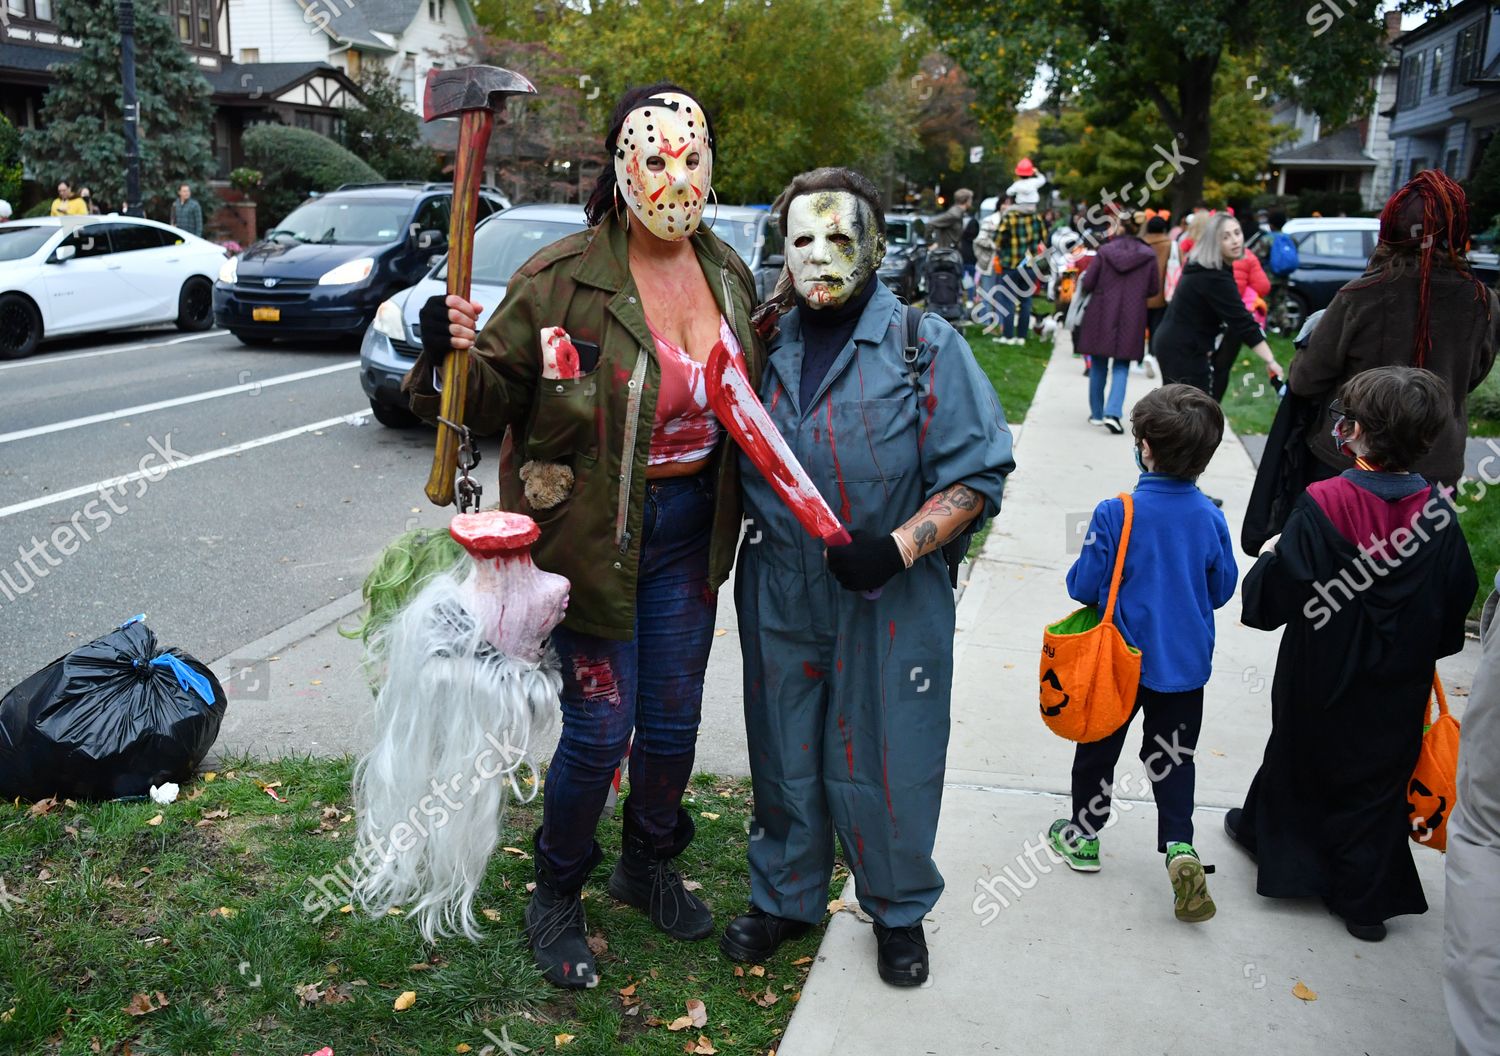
1427	217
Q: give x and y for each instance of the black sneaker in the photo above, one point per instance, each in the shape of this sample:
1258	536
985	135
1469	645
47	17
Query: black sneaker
1365	932
755	935
1113	424
558	931
901	954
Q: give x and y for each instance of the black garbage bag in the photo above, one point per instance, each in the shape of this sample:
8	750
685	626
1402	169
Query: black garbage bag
108	720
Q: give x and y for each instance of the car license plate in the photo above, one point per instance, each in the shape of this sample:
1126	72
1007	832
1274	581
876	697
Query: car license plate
266	315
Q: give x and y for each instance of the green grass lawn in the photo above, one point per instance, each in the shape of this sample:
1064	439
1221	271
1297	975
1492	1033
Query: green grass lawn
104	912
1249	402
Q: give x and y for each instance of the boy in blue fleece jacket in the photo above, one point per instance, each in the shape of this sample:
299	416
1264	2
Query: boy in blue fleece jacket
1179	568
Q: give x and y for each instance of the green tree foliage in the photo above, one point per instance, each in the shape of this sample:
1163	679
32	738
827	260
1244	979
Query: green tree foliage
384	133
295	162
1484	189
1101	150
790	87
10	163
82	139
1168	53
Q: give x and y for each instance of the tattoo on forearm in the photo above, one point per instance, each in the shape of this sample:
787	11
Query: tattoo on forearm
925	535
963	498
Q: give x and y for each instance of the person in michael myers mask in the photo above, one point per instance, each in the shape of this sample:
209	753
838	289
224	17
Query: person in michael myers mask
848	652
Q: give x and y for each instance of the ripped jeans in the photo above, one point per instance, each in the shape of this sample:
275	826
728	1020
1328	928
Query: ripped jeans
652	685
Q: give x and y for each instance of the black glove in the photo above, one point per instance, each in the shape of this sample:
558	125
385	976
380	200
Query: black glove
867	562
436	340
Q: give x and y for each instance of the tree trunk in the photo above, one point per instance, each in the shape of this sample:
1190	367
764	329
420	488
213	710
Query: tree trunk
1194	131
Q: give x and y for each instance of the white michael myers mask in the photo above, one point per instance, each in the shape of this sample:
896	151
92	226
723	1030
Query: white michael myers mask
663	162
833	246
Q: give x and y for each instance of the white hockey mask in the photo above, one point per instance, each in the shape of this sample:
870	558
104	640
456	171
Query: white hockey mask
833	246
663	163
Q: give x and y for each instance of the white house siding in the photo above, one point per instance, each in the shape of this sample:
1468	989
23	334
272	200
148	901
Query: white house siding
1378	143
276	29
432	42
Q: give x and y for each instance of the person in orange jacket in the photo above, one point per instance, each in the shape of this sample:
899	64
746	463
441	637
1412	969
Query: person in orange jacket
1248	275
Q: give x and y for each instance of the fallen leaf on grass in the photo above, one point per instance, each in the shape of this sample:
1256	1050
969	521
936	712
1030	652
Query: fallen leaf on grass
709	815
680	1023
1302	993
71	831
44	875
223	911
598	946
739	973
43	806
758	970
461	1047
394	911
405	1001
698	1012
767	999
154	821
562	1039
491	914
5	1016
691	885
420	966
633	1010
346	909
628	991
802	960
140	1004
517	852
210	777
703	1048
836	905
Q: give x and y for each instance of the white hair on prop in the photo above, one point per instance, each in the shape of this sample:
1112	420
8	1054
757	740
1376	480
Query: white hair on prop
468	683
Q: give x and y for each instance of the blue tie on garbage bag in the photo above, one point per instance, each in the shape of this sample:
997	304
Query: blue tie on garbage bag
109	719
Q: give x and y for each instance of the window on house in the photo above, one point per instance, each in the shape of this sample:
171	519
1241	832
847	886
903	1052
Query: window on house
440	10
185	20
1436	80
249	54
1450	163
16	7
409	78
432	9
1411	82
1466	56
43	9
205	23
1415	166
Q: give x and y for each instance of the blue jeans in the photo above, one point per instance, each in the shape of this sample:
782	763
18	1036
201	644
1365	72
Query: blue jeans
1101	367
1010	301
652	684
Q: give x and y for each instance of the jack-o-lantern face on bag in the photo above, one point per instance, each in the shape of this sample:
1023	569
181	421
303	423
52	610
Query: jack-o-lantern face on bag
664	160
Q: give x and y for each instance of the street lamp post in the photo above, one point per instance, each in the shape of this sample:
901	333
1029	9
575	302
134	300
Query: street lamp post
132	109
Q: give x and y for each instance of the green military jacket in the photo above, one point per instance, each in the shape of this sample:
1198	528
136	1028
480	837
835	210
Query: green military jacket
599	424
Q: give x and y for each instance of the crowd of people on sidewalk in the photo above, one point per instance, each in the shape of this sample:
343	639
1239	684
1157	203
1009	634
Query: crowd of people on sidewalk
645	523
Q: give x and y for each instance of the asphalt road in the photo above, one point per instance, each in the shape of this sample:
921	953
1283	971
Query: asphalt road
281	491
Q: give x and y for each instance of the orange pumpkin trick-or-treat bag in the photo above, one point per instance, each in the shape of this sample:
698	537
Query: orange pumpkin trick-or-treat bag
1089	673
1432	792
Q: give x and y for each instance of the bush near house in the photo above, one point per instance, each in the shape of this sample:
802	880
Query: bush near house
294	163
385	134
10	163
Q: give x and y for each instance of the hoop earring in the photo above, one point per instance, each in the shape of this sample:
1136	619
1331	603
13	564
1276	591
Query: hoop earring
715	195
617	197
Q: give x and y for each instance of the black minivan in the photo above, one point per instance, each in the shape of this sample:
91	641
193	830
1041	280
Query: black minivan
323	271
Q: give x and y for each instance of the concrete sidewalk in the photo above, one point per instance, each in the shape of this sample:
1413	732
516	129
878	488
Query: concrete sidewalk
1030	957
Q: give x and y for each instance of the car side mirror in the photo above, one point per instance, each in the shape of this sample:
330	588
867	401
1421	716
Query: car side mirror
432	239
775	260
62	253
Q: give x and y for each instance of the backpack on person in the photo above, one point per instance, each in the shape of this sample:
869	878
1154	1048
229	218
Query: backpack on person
1174	272
945	284
1283	259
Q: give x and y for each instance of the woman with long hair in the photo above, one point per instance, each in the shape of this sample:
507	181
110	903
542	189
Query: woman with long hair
1207	298
1113	332
1418	304
635	488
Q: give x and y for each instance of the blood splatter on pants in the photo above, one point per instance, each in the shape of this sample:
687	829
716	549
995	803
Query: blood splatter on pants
652	685
847	715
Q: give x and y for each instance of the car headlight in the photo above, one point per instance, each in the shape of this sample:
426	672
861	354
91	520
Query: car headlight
354	271
388	321
229	271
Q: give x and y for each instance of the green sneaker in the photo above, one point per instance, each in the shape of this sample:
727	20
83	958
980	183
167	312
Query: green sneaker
1079	851
1190	899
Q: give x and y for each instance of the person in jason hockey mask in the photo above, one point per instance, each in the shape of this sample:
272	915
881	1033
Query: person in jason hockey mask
848	652
629	477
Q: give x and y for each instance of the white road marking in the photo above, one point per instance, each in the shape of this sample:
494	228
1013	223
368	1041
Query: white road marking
176	401
39	361
156	472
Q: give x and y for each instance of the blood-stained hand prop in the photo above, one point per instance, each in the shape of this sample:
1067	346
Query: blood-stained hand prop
467	682
740	413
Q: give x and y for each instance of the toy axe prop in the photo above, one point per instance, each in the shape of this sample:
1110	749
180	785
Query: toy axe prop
472	94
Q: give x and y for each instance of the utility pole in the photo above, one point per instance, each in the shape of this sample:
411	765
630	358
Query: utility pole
132	109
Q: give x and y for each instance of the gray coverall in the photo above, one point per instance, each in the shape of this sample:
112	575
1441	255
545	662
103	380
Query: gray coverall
846	698
1471	957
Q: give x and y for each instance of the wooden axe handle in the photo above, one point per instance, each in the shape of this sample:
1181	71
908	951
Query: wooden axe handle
468	171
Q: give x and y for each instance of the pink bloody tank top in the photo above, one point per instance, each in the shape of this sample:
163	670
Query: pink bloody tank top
685	429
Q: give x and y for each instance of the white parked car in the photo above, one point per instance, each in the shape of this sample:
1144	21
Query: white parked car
69	275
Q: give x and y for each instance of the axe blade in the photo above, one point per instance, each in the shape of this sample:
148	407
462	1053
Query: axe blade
449	93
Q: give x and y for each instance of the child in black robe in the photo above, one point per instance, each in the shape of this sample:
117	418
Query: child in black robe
1373	580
